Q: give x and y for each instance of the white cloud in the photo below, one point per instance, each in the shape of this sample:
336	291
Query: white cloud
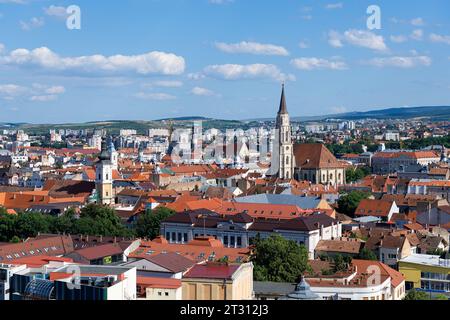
318	64
44	98
198	91
418	22
334	39
401	62
12	90
149	63
332	6
252	48
439	38
417	35
37	92
55	90
196	76
155	96
164	84
359	38
251	71
33	23
399	39
56	11
2	48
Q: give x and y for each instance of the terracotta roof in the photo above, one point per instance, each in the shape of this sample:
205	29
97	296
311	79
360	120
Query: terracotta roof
51	245
160	283
362	279
212	271
97	252
38	261
198	250
375	208
313	156
342	246
405	154
431	183
171	261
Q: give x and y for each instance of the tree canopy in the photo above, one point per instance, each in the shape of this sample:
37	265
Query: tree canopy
349	202
367	254
279	260
417	295
149	223
94	220
356	174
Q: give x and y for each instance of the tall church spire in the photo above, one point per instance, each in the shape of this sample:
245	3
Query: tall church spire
283	155
283	108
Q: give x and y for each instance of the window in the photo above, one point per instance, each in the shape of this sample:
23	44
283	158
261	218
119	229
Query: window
185	237
225	240
167	294
239	241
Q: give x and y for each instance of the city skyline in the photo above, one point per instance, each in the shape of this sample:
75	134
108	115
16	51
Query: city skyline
166	62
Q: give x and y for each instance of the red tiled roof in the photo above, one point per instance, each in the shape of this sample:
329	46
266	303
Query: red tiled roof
375	208
315	155
212	271
98	252
160	283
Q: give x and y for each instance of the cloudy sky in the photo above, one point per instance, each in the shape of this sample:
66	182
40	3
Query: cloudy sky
151	59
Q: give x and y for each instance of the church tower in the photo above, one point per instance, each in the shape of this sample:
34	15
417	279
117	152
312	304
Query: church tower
283	137
114	155
104	179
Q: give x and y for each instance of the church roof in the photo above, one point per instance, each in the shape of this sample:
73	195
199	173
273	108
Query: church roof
104	155
283	107
314	156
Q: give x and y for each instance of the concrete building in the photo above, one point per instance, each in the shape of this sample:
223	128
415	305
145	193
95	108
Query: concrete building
215	281
426	272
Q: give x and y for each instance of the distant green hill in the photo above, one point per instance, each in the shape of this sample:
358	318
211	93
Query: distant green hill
437	113
433	113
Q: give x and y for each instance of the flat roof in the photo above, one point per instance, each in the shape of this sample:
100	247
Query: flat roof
426	259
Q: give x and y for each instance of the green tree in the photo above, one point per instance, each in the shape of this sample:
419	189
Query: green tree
349	202
356	174
149	223
29	224
7	226
341	263
417	295
15	239
100	220
279	260
367	254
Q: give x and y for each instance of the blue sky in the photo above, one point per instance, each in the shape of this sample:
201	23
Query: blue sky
150	59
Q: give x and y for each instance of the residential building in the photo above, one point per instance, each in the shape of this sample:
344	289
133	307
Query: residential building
424	272
219	281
